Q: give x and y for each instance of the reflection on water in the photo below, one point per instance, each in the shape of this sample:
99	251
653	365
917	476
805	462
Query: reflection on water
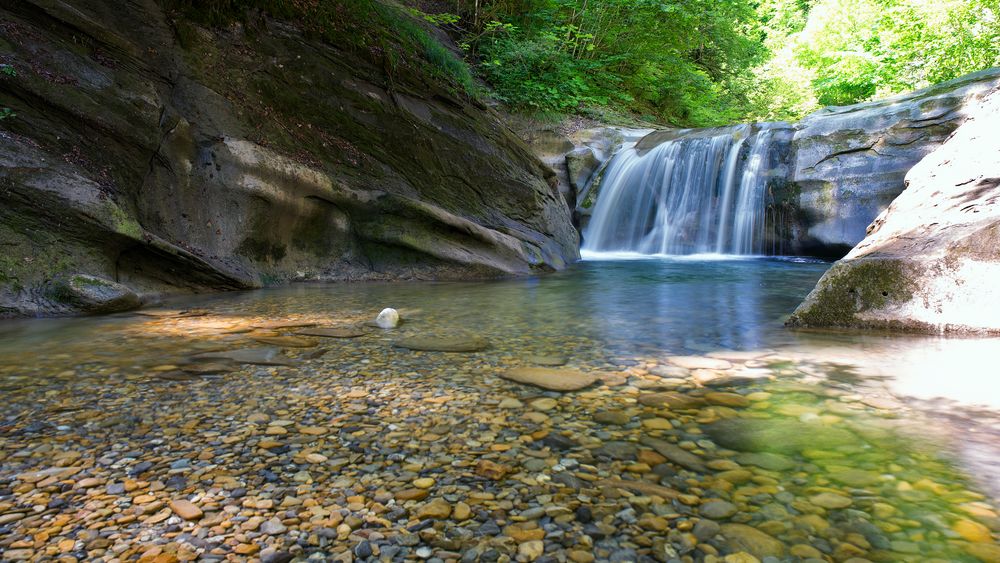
714	431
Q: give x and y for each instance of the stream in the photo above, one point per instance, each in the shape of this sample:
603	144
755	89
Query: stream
227	427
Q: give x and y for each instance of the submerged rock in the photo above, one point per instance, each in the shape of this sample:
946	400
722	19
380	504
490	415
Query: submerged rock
779	436
740	537
91	294
264	356
551	379
930	262
334	332
443	343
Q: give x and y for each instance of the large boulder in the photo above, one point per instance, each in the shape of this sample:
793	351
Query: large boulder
850	162
931	261
171	156
91	294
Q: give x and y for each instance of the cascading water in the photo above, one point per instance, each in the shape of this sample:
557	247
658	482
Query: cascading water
696	194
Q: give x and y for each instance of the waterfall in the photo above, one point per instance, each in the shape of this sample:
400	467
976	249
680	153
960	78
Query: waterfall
696	194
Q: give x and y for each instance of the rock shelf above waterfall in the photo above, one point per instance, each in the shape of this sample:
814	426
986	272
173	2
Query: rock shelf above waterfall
809	188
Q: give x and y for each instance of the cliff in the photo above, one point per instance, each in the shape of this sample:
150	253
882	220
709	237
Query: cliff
931	261
150	154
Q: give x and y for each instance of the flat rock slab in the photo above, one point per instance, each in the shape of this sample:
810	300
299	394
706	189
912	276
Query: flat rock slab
286	341
551	379
334	332
257	356
674	453
208	368
550	361
277	325
643	487
443	343
670	399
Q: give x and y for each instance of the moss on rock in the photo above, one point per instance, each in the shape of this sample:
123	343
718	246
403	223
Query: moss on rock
851	291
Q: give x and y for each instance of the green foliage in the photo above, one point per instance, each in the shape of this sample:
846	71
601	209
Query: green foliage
678	61
686	62
697	62
837	52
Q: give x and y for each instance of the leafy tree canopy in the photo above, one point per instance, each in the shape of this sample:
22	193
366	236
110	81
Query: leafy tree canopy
707	62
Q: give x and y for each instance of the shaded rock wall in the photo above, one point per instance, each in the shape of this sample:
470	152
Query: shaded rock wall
931	261
164	156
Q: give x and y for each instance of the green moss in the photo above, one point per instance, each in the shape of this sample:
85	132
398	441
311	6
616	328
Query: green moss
854	287
123	223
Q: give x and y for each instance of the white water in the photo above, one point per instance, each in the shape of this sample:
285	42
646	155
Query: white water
691	195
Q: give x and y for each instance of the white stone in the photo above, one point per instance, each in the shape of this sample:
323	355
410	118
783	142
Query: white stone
388	318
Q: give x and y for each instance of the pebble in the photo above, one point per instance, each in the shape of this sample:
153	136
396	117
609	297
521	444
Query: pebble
830	500
185	509
357	449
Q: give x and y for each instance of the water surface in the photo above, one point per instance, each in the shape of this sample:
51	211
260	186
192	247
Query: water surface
712	431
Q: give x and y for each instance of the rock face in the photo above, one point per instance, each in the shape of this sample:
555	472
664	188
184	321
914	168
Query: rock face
166	156
90	294
576	158
930	262
850	162
828	176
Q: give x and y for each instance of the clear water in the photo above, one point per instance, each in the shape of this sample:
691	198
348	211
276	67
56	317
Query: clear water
922	415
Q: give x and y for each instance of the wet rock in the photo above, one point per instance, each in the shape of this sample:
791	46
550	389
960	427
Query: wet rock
185	509
674	453
972	531
286	341
727	399
94	295
617	450
549	361
740	537
387	318
551	379
437	509
670	399
268	356
530	551
618	418
778	436
334	332
717	509
705	530
443	343
765	460
830	501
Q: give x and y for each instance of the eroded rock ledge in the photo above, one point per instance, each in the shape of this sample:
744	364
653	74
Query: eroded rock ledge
931	261
163	156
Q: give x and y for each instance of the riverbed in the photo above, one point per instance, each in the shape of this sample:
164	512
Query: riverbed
280	424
